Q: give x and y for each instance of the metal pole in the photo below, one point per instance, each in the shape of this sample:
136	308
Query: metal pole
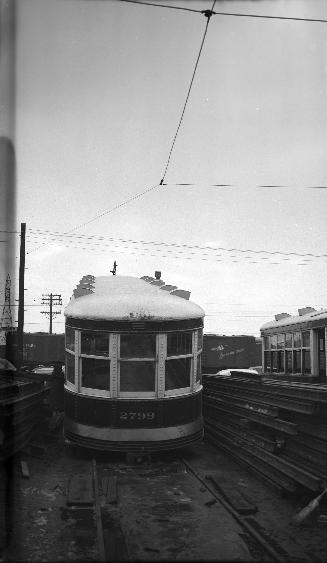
20	330
50	331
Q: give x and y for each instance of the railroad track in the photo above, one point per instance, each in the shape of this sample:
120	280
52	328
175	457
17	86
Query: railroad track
266	545
261	546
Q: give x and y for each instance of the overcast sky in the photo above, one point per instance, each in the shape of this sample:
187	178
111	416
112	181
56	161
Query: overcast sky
100	90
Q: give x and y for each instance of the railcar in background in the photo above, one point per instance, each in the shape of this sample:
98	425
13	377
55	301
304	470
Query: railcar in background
223	352
133	366
294	346
38	348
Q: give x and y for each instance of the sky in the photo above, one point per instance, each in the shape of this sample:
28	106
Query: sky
100	89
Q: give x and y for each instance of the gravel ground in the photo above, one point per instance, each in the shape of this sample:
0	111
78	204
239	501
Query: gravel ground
162	512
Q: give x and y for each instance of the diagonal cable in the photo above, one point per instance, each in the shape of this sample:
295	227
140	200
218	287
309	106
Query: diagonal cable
208	14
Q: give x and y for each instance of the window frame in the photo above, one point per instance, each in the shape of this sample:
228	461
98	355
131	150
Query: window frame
93	391
182	390
138	394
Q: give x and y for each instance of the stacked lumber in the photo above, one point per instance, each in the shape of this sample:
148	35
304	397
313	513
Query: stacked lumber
276	428
21	399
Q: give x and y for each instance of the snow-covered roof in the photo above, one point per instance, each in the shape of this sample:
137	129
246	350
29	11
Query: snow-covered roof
297	319
129	298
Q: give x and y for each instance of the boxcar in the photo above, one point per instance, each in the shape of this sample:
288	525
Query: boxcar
222	352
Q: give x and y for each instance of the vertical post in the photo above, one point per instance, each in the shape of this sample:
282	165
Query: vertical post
20	331
50	330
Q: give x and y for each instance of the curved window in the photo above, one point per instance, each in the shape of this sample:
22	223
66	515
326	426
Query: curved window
70	368
178	360
198	370
70	338
95	343
200	339
178	373
95	374
179	343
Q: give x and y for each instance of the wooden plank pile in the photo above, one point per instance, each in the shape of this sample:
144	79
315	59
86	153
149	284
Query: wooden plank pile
278	429
21	399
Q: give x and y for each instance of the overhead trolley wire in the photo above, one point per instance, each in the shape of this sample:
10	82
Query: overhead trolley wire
102	214
231	14
238	185
162	6
208	14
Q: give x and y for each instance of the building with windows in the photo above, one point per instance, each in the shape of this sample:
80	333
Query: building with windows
296	345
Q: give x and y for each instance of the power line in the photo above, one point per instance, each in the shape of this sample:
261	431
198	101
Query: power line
208	14
233	14
176	245
173	255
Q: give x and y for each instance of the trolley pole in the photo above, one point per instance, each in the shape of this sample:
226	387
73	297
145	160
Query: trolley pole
51	299
20	329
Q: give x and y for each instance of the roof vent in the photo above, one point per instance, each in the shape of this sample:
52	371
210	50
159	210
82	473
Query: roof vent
169	287
281	316
306	310
181	293
157	275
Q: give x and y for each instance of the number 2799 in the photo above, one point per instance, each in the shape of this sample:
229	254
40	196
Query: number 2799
124	415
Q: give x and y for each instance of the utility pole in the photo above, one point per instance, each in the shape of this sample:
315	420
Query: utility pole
51	299
20	329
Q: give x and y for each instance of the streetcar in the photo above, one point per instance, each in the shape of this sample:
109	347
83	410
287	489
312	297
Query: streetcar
295	345
133	365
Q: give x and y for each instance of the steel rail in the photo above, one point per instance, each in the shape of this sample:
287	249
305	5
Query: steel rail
241	520
98	517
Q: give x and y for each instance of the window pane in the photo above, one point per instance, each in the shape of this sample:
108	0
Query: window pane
280	361
200	338
306	359
198	369
273	341
70	368
297	339
306	339
177	373
179	343
280	341
96	374
137	345
288	361
70	338
274	361
266	342
95	343
267	366
288	340
297	361
137	376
